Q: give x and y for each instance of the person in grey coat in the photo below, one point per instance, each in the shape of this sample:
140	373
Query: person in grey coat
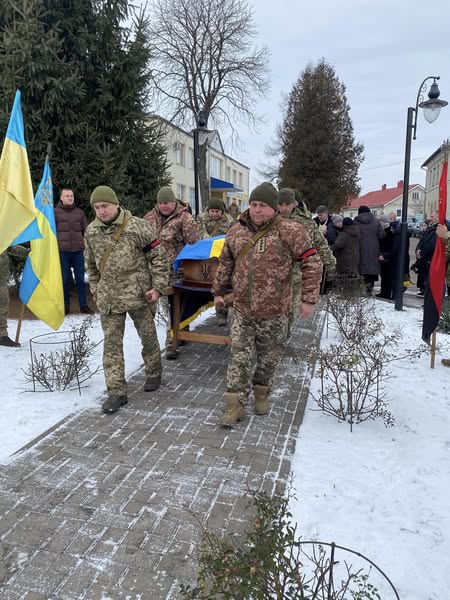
371	233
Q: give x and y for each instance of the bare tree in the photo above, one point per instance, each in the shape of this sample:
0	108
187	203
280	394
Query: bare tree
204	59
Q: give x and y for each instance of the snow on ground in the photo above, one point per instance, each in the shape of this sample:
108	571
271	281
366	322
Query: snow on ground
382	491
27	414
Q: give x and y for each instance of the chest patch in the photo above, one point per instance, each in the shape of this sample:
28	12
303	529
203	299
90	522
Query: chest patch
261	245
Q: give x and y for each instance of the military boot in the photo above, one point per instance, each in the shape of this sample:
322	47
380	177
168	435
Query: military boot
261	399
7	341
234	410
152	383
114	402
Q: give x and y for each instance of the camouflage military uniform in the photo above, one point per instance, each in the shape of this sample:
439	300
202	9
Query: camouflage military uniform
20	252
302	216
208	227
137	264
263	295
174	231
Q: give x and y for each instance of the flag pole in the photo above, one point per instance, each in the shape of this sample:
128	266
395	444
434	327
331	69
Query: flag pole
433	349
19	321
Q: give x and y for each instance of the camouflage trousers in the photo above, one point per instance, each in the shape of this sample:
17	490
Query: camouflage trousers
4	306
113	326
265	335
296	297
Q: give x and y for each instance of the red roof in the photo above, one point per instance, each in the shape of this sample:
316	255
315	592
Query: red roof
379	197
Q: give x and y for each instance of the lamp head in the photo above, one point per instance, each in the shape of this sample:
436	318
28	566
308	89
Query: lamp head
432	107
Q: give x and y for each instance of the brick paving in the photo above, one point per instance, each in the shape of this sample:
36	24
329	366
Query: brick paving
107	507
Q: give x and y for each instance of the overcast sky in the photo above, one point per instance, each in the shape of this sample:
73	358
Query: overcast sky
381	50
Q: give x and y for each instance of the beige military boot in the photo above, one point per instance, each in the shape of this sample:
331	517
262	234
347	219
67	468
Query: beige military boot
261	399
234	410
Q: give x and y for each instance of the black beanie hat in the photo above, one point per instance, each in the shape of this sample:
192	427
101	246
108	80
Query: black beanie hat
347	221
363	209
265	192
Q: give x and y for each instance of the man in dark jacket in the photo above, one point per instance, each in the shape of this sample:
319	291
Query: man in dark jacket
70	227
425	248
324	221
371	233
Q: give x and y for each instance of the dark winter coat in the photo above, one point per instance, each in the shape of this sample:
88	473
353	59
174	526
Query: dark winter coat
331	232
371	233
346	250
71	224
427	243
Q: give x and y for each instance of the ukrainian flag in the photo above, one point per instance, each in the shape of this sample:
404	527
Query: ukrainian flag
201	250
17	214
41	286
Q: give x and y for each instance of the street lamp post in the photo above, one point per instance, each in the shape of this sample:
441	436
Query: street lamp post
200	127
431	109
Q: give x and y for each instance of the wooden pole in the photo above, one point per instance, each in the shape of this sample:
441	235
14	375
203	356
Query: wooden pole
19	321
433	349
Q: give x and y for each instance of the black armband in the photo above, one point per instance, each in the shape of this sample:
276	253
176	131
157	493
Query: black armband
149	247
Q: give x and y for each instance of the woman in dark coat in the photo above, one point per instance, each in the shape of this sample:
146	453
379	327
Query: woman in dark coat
386	259
370	235
346	248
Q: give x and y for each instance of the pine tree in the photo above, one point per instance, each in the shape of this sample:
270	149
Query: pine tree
83	69
319	155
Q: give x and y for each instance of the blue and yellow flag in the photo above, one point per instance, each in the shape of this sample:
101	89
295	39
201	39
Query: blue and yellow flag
201	250
18	222
41	287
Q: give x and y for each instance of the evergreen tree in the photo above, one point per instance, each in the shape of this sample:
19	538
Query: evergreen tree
83	69
319	155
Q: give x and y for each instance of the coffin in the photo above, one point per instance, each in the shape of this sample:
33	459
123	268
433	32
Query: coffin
199	273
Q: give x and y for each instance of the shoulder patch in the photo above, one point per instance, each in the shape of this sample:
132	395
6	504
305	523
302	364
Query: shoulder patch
149	247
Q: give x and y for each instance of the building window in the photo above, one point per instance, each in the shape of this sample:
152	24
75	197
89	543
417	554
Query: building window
179	153
399	212
234	176
415	195
228	176
215	165
191	158
181	191
240	180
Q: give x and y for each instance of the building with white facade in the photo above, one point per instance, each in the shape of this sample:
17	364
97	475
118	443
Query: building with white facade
388	200
229	178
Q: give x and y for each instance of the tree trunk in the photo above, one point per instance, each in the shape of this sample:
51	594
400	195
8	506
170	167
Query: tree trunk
203	178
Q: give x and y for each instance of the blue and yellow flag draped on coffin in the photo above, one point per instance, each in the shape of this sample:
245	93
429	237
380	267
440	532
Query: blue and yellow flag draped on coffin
18	222
41	288
209	248
195	303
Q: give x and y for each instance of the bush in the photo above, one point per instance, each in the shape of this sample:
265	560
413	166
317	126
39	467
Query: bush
272	563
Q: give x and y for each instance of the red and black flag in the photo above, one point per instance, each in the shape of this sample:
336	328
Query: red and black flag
434	292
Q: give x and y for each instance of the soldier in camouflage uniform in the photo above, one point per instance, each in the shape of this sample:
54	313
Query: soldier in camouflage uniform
260	273
215	221
294	210
175	227
20	252
127	274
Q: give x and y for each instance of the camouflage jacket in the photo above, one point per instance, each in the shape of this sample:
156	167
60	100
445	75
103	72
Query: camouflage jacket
17	251
174	231
208	227
319	242
262	279
137	264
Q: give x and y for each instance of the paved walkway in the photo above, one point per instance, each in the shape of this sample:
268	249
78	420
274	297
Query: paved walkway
102	507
